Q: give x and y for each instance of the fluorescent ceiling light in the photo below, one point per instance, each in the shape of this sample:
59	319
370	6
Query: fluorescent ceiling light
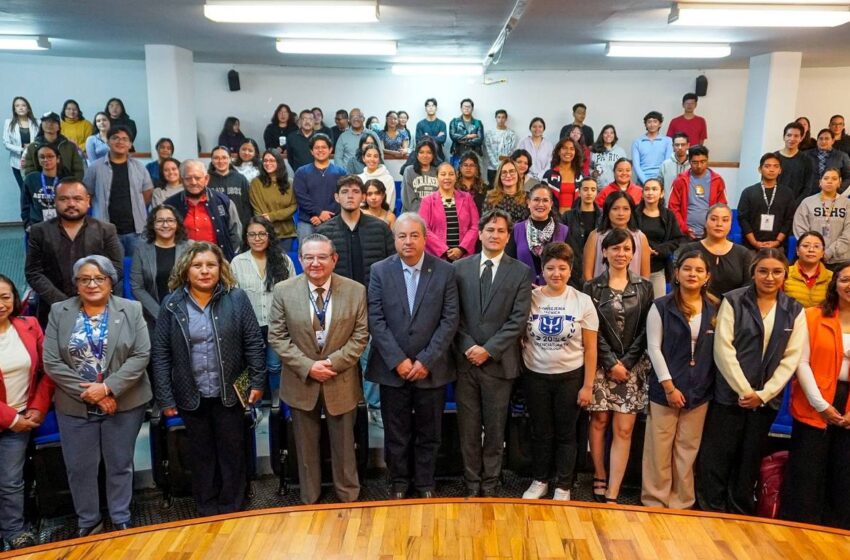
758	15
24	43
437	60
336	46
668	50
318	12
437	69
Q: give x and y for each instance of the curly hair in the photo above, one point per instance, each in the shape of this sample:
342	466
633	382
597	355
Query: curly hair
150	229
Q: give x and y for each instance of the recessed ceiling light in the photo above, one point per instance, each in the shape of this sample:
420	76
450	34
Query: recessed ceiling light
758	15
317	12
668	50
336	46
24	43
437	69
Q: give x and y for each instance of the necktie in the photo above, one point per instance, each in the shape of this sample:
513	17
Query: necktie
320	307
486	281
410	277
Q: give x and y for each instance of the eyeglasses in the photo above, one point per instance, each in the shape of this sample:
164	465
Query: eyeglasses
121	139
509	172
764	272
89	280
165	222
257	235
315	258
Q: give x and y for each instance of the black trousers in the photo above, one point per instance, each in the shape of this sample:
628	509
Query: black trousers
217	445
816	488
413	421
734	442
482	401
554	412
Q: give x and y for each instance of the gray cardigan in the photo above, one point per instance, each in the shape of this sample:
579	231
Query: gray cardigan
127	352
143	276
98	181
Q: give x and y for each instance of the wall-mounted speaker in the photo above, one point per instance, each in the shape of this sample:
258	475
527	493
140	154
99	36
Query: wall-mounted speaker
701	88
233	80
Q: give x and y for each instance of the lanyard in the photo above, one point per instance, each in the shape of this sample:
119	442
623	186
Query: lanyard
764	196
96	348
48	192
827	215
319	315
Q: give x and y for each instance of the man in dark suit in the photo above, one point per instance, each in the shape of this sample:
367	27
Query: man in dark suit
495	297
318	325
55	245
413	316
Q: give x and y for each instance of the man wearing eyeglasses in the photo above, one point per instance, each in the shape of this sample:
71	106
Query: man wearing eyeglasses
318	325
56	244
121	188
72	159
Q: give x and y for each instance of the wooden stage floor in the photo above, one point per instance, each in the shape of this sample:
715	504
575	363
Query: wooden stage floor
459	528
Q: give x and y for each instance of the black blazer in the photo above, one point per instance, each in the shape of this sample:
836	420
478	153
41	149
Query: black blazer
425	335
498	326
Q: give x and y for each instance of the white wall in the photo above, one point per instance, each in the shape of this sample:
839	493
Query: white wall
621	98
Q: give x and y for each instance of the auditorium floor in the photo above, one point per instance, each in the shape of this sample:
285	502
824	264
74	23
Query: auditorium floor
148	508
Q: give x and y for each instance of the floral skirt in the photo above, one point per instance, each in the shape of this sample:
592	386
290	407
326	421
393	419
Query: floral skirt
629	396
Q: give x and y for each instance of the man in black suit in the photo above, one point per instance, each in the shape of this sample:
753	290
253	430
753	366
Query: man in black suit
495	297
413	317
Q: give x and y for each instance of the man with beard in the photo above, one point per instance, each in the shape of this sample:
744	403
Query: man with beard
55	245
207	215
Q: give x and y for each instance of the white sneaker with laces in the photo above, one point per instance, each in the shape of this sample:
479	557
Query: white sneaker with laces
561	495
536	491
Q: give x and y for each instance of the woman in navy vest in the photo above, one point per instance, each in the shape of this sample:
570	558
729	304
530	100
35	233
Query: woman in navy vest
757	347
682	385
532	235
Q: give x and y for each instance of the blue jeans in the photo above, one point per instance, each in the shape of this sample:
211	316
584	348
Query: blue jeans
13	451
303	229
273	367
84	440
371	391
129	242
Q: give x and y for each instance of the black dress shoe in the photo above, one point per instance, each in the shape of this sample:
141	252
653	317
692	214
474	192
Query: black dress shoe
426	494
87	531
122	526
472	492
490	492
397	495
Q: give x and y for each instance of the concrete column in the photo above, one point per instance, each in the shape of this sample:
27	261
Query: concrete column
774	79
171	98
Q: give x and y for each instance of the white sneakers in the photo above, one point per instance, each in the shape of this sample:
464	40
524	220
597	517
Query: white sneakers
536	491
539	489
561	495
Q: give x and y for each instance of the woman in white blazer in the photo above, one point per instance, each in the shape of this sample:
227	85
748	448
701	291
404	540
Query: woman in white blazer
19	131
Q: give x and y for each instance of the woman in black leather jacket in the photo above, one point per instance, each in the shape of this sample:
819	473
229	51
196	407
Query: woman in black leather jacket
622	300
206	335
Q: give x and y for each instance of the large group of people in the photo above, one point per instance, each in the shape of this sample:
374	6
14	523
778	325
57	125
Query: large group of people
556	271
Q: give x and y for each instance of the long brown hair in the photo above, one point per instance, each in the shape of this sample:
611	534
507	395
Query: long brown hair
687	309
497	193
830	305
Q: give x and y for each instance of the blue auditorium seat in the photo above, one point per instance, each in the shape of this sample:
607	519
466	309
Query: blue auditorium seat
48	432
127	290
782	424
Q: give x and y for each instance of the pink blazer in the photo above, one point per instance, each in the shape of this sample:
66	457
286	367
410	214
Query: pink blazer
41	386
431	210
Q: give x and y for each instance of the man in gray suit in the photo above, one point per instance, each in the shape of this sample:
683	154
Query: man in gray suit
318	325
413	316
495	297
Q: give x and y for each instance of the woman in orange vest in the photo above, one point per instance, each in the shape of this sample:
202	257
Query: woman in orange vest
816	484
